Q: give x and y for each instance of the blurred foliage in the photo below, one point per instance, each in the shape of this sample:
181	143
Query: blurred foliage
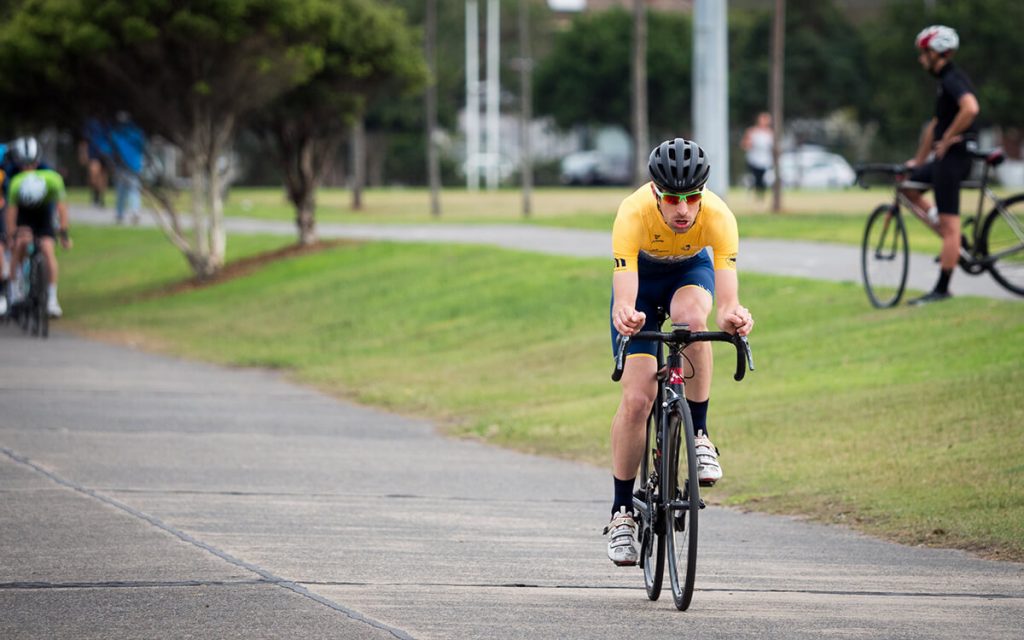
586	77
902	91
860	64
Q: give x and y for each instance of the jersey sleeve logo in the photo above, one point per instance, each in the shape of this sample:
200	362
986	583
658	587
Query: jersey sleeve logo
620	263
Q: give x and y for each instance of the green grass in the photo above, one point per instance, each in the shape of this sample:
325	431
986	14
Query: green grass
904	423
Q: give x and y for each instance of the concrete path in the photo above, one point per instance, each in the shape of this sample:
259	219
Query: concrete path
824	261
143	496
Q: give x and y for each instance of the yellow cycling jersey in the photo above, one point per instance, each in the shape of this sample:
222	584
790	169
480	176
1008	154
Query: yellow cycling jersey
640	230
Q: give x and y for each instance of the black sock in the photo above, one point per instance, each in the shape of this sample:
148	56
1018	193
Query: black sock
699	413
623	495
942	286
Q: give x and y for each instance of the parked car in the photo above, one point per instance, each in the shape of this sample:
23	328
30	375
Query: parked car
812	167
595	167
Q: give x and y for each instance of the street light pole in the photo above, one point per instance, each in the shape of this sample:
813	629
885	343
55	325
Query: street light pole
711	88
493	85
472	96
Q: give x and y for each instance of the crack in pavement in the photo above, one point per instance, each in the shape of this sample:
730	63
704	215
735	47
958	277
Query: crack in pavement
129	584
223	555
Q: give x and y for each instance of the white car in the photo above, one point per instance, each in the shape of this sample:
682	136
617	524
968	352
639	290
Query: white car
812	167
595	167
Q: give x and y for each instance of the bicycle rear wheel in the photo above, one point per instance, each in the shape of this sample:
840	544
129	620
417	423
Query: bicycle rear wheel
1002	240
652	538
681	512
885	257
39	280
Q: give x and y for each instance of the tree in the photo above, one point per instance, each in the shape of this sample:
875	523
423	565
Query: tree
989	51
824	62
368	51
187	72
585	77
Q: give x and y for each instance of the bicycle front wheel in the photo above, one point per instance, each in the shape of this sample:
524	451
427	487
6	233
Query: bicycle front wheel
645	501
885	257
681	512
1002	243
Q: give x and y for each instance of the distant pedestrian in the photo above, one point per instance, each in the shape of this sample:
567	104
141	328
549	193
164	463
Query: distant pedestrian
758	141
94	155
128	147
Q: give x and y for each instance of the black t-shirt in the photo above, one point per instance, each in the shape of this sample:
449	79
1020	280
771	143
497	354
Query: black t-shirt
953	84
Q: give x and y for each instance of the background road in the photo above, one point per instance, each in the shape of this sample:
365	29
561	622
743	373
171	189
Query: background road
142	496
825	261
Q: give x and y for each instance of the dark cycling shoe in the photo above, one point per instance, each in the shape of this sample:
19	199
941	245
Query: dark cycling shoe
933	296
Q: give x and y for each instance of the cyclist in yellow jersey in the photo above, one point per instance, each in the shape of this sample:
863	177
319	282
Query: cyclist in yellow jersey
660	243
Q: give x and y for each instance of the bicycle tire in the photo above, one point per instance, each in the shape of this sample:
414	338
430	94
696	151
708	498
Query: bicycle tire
38	295
652	545
885	257
681	525
1001	235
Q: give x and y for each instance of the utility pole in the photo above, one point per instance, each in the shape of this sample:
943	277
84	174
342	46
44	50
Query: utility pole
711	88
641	143
433	161
493	86
778	62
525	104
472	96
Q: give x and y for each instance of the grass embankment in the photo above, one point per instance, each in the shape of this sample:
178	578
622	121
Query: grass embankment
904	423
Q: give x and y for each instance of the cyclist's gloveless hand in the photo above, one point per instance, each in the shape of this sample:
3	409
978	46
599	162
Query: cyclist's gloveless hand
738	320
628	320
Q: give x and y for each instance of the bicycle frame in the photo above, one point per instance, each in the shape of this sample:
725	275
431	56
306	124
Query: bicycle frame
971	258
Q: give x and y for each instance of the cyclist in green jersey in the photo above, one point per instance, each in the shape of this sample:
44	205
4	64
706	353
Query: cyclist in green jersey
33	194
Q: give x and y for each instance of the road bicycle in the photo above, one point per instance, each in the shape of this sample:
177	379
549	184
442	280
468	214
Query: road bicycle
993	243
30	312
668	499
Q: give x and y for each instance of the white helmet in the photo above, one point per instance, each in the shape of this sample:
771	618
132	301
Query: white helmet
25	151
938	38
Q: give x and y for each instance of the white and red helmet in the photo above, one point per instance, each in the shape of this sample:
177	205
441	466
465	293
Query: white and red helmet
938	38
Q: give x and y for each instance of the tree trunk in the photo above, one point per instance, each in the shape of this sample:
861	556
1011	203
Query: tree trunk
305	216
358	162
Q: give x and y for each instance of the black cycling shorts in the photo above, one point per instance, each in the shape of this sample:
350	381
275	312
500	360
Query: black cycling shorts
39	219
945	176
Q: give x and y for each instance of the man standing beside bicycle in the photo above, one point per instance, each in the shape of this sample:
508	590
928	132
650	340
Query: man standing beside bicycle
956	109
660	241
33	194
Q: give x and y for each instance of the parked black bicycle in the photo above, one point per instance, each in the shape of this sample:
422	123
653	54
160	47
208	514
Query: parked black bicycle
668	500
30	312
993	243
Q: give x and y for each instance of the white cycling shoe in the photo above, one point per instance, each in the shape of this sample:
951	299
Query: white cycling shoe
621	533
708	470
53	308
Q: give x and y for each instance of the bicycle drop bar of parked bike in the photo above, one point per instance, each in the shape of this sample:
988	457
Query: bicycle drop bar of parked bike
993	243
30	312
668	499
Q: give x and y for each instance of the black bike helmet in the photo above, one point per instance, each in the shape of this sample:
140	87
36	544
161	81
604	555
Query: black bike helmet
679	165
25	151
